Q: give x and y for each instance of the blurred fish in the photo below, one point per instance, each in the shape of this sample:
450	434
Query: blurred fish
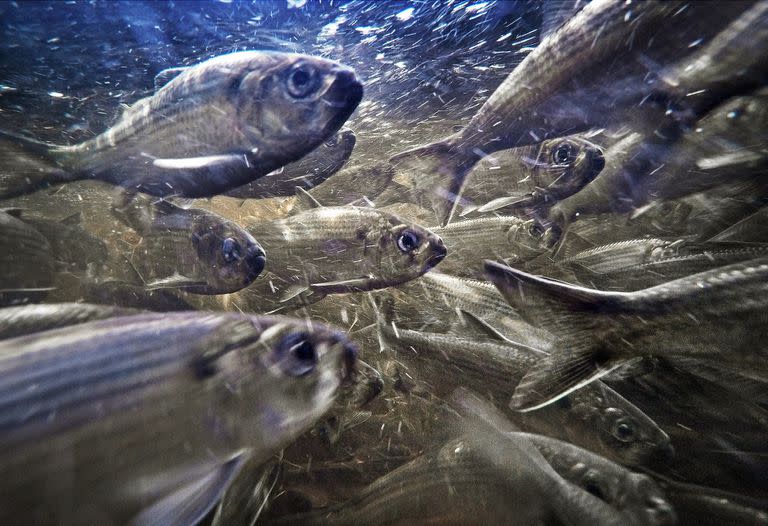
28	319
354	185
26	262
207	129
192	250
700	506
715	317
623	489
542	176
308	172
72	245
582	76
597	419
641	263
129	295
726	145
333	250
148	418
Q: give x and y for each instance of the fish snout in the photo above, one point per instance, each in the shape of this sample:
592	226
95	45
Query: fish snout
597	163
438	251
346	90
256	259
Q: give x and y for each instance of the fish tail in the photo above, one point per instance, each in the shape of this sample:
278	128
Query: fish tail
436	174
28	165
578	316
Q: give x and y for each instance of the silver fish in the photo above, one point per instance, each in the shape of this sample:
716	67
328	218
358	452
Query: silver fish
581	76
599	419
192	250
148	418
208	128
308	172
28	319
716	317
333	250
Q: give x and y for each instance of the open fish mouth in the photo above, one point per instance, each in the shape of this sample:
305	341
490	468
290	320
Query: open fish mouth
344	94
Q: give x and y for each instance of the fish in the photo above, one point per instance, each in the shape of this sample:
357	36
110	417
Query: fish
641	263
455	483
148	418
709	506
715	318
354	185
724	146
207	129
472	241
540	175
28	319
308	172
335	250
599	419
73	247
586	74
26	260
633	494
193	250
121	293
623	489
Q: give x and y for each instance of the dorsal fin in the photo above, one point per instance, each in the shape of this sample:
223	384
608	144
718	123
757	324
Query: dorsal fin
167	75
305	201
73	219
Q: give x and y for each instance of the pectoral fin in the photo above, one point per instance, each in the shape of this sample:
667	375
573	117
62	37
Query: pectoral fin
192	502
174	282
349	285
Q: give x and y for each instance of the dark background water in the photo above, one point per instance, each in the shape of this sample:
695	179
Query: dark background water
66	67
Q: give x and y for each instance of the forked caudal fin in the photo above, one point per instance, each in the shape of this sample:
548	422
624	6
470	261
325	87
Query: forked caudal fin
436	174
28	165
579	317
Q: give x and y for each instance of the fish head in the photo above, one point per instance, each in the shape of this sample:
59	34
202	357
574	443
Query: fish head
624	433
288	378
398	251
229	257
289	105
565	165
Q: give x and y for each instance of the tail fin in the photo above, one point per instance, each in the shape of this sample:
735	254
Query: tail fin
436	174
28	165
578	316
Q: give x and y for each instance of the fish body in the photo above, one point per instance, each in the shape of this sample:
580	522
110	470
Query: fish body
193	250
540	176
716	318
26	262
335	250
72	245
147	418
641	263
308	172
211	128
595	419
28	319
472	241
563	87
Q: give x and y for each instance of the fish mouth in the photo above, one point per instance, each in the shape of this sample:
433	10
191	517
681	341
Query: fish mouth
597	162
439	251
343	95
256	259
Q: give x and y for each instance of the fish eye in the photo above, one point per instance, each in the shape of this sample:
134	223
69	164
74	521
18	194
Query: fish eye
231	250
624	430
302	81
297	354
408	241
563	154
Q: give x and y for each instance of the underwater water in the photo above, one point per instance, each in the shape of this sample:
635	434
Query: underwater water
378	262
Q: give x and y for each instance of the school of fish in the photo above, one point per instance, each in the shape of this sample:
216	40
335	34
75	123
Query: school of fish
556	314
